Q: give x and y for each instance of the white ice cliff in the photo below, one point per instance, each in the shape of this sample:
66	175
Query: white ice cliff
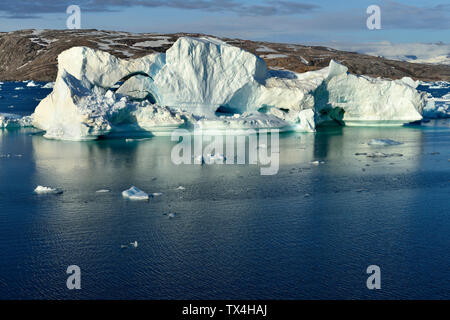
208	83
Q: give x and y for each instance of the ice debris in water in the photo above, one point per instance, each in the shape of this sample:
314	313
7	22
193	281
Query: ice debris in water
180	188
102	191
47	190
9	120
135	193
383	142
383	155
132	244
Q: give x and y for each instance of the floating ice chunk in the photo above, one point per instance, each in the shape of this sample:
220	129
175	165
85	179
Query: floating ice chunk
180	188
383	155
383	142
19	88
102	191
47	190
171	215
134	244
156	194
136	139
32	84
366	100
135	193
317	162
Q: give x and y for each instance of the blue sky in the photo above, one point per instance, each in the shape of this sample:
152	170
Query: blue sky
293	21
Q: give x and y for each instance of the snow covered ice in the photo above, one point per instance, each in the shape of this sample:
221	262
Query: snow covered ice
216	86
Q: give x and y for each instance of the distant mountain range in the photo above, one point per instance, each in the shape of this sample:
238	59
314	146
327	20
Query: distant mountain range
31	54
429	53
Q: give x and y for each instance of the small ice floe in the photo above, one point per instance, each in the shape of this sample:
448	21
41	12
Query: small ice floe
317	162
32	84
11	107
47	190
171	215
156	194
131	244
136	139
180	188
19	88
383	155
135	193
102	191
383	142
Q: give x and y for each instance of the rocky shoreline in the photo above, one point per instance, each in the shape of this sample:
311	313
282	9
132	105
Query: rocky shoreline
31	54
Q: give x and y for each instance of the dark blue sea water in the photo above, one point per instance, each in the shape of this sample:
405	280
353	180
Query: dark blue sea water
308	232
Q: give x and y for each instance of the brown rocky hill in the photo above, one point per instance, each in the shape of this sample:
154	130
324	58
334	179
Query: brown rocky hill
31	54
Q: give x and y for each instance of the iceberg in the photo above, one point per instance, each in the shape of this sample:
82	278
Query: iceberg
208	83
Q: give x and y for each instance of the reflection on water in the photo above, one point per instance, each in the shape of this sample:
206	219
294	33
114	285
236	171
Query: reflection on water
308	232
